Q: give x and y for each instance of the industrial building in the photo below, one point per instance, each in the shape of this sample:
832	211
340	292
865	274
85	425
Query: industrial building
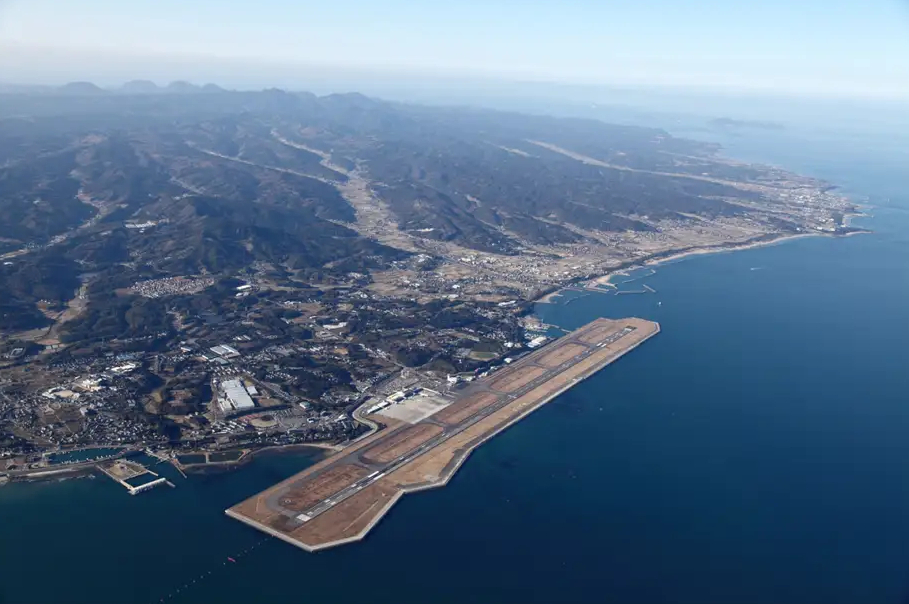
236	398
224	351
537	342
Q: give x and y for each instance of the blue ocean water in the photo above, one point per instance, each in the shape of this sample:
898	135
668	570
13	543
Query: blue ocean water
757	450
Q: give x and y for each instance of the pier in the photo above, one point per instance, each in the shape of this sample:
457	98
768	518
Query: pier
158	456
133	476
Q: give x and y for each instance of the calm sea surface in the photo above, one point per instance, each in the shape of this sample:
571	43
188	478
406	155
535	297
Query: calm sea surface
756	451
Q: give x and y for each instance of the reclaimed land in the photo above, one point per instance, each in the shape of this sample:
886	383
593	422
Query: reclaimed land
341	498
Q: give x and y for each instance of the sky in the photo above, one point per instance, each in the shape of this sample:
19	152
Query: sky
833	48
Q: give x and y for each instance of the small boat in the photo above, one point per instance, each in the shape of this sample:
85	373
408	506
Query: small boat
229	559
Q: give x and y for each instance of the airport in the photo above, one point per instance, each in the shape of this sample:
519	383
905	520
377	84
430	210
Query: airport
340	499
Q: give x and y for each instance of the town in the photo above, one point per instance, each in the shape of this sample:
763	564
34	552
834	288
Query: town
239	380
207	288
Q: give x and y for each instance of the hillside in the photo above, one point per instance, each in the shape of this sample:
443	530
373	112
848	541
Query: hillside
167	182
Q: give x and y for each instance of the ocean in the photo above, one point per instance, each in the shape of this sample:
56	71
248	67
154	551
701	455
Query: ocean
757	450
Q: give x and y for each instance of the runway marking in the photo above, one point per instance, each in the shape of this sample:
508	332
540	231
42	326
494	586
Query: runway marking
369	509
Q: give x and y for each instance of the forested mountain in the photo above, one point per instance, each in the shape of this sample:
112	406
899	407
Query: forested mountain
167	181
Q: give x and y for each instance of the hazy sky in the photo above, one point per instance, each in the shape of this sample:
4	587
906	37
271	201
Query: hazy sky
829	47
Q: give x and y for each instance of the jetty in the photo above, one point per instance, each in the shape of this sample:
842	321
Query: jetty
133	476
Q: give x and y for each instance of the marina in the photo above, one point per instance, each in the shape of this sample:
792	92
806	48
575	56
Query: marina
83	455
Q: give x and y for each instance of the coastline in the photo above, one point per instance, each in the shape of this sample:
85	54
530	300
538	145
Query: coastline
317	449
720	249
458	456
723	248
654	260
90	468
49	474
669	256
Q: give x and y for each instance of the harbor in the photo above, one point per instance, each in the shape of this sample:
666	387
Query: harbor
133	476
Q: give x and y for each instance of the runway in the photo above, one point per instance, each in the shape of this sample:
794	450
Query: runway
353	490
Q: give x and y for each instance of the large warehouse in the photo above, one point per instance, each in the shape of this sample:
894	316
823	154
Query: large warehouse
236	394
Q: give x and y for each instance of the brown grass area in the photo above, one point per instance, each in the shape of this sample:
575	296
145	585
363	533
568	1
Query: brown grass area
561	354
515	378
599	333
461	410
348	517
255	507
429	466
401	442
306	494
